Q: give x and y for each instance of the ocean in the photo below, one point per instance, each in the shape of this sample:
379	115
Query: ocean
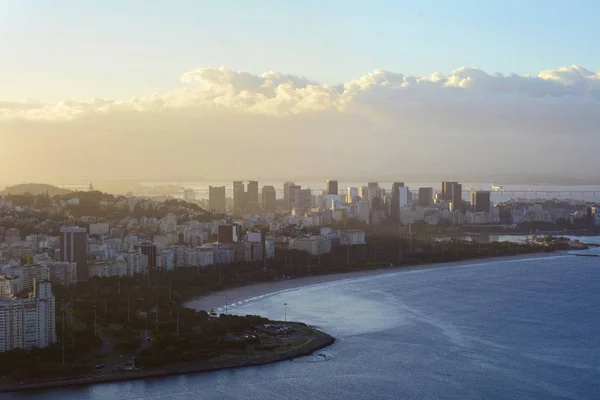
517	328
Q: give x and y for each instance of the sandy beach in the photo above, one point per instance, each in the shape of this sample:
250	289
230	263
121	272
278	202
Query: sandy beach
231	297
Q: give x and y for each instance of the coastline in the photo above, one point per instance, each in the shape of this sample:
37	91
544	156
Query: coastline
321	341
244	294
255	292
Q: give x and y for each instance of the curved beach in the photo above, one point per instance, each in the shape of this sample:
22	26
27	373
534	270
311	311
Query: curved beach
218	300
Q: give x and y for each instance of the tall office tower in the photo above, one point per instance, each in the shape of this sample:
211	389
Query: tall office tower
332	186
304	202
286	192
216	199
269	200
352	194
252	192
373	184
73	248
395	203
239	198
252	199
149	250
294	197
480	201
456	193
363	192
447	189
425	196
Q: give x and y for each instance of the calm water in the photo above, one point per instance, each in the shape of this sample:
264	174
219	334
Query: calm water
509	329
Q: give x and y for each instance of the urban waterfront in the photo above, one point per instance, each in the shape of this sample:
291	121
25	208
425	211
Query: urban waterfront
522	328
507	192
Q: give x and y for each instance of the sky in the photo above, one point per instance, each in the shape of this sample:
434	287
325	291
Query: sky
228	89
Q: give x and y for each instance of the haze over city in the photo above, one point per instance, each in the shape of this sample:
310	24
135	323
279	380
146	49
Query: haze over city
269	90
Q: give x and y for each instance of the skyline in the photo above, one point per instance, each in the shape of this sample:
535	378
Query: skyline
196	89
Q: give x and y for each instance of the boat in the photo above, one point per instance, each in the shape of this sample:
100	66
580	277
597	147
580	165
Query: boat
497	188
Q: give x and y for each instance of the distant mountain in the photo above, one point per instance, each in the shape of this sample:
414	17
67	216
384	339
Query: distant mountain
34	188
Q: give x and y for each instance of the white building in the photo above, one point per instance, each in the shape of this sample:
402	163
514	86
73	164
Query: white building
99	229
404	196
205	256
28	323
314	245
350	237
225	254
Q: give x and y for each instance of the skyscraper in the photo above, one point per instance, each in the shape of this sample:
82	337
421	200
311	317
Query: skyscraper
216	199
294	196
332	186
456	197
252	192
425	196
480	201
239	198
395	203
352	194
286	191
73	248
269	200
447	189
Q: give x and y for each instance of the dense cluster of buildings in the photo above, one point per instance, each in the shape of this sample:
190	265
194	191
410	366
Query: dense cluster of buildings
370	204
247	226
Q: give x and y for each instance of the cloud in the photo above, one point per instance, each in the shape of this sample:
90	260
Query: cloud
227	123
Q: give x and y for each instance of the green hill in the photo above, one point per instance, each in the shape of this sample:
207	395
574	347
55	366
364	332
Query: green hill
34	188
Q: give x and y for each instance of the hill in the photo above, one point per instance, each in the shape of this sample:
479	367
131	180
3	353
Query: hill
34	188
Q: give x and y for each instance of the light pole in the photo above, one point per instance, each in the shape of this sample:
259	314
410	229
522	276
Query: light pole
285	312
226	301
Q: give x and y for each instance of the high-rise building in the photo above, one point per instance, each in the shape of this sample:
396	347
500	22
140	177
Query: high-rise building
149	250
286	192
216	199
269	200
294	196
480	201
304	203
252	192
456	196
28	323
252	199
395	203
73	248
332	186
405	196
425	196
373	184
352	194
447	189
239	198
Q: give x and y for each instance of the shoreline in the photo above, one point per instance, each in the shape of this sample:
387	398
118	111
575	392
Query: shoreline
318	343
245	294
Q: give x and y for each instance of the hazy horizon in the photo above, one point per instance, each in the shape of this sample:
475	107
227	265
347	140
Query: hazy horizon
150	98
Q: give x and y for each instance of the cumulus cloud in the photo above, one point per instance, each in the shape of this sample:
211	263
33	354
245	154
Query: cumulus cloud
227	123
